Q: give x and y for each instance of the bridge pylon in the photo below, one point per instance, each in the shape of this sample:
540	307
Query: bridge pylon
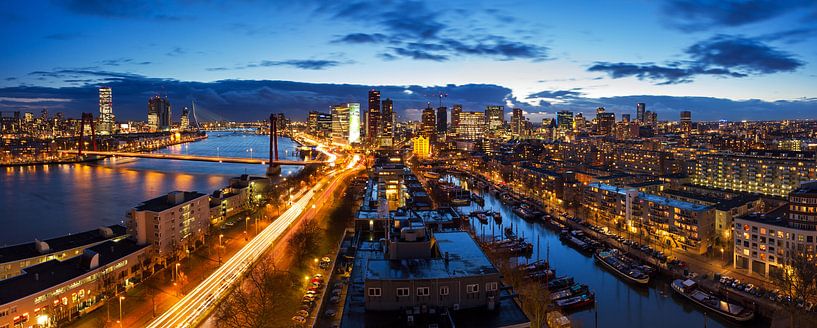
273	169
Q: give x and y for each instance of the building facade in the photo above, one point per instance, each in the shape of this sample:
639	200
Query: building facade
172	223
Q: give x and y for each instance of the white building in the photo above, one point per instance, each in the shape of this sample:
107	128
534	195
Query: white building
171	223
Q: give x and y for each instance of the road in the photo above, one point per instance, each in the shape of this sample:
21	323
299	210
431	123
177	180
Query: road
199	302
182	157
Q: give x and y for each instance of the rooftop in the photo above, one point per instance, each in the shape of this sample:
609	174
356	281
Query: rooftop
166	202
776	217
52	273
465	259
654	198
59	244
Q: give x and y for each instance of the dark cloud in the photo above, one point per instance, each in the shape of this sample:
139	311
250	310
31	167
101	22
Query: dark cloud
747	55
252	100
418	54
127	9
122	61
722	55
63	36
414	30
556	94
792	35
310	64
696	15
361	38
176	51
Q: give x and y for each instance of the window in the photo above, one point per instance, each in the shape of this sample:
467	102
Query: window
374	292
423	291
473	288
490	287
444	290
402	292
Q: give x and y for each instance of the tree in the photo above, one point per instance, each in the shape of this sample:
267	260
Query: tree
258	301
797	280
305	240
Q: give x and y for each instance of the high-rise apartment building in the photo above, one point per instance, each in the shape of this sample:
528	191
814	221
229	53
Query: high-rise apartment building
686	123
455	117
158	113
640	109
428	125
605	121
106	118
171	223
442	120
312	122
387	123
346	123
495	118
517	122
184	121
471	125
564	120
768	172
373	115
324	125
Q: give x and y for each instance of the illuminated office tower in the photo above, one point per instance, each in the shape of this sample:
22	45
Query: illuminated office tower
106	118
494	117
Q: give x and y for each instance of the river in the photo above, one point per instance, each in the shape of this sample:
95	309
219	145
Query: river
45	201
619	304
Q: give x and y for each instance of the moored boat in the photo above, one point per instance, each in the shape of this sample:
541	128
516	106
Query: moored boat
611	260
560	283
689	289
572	291
576	302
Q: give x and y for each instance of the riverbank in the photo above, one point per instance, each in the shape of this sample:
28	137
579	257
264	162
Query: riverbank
88	159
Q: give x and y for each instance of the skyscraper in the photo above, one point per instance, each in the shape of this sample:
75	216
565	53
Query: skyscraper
354	122
429	123
640	108
373	125
106	120
442	120
340	123
686	122
565	120
651	118
184	121
495	117
387	122
605	121
312	122
455	118
158	113
517	122
472	125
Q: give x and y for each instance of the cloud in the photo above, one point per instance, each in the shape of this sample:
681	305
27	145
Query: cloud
310	64
418	54
411	29
746	55
556	94
255	99
122	61
791	36
721	55
697	15
64	36
127	9
176	51
357	38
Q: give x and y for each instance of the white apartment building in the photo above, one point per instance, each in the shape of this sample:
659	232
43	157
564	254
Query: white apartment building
171	224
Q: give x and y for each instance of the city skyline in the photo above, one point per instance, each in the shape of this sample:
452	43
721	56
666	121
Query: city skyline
716	61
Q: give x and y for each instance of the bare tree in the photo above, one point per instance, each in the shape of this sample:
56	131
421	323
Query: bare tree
305	240
797	280
258	301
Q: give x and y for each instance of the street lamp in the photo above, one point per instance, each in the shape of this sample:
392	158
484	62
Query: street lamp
246	223
121	298
176	273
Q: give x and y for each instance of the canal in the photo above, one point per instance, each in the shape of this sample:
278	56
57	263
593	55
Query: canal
618	303
45	201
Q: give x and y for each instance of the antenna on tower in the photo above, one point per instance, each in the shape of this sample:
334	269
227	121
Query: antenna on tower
442	95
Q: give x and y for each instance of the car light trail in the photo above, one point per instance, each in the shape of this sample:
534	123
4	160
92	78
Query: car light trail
188	311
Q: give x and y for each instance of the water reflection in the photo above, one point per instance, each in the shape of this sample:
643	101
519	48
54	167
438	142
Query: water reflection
43	202
618	304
